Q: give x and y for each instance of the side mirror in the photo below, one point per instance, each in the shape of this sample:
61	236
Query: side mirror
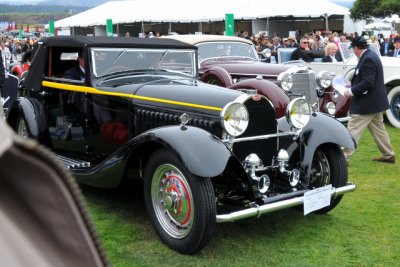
266	53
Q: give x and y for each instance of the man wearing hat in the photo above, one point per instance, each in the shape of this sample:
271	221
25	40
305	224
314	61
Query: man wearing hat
368	101
396	51
293	42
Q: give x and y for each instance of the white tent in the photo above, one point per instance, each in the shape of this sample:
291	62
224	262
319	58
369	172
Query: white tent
197	11
378	26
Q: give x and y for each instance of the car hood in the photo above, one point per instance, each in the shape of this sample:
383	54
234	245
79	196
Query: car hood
188	95
246	68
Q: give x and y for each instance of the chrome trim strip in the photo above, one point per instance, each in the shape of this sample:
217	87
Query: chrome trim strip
258	137
267	208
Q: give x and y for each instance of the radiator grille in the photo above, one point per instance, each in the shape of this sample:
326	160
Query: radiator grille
305	83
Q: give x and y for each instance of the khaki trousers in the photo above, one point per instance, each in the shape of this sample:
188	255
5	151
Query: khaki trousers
374	122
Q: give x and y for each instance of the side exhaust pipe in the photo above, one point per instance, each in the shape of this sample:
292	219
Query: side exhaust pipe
279	205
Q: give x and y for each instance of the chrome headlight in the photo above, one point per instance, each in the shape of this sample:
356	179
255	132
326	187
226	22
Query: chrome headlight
330	108
286	81
234	118
324	79
298	113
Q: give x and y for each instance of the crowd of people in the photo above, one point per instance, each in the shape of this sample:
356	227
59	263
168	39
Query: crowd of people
321	44
13	49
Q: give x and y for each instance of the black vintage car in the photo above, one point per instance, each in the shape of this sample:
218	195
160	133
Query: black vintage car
205	154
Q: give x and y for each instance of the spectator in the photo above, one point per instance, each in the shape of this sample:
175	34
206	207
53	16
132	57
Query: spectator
127	34
285	42
292	41
368	101
396	50
386	45
276	43
317	44
303	51
332	53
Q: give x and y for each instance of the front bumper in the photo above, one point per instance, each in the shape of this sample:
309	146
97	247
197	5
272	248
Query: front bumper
279	205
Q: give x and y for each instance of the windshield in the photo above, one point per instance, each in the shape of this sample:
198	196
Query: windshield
224	49
349	52
108	61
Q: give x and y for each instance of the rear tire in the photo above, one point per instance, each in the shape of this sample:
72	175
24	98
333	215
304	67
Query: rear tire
180	205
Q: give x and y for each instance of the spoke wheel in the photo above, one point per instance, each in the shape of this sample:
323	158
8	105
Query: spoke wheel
172	201
180	205
328	167
393	113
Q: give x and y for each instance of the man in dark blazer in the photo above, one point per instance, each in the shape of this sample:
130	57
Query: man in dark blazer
368	101
78	71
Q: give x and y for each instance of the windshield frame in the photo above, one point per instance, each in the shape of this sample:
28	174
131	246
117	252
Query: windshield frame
105	62
252	55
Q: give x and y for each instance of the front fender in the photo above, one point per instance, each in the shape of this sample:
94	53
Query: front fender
321	129
273	92
201	152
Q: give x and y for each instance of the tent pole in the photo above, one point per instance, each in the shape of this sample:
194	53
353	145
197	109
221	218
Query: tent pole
142	27
169	29
326	23
268	26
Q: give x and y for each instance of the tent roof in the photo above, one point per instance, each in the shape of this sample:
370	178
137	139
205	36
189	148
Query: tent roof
131	11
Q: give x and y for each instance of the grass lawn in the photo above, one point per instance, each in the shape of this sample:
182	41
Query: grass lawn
363	230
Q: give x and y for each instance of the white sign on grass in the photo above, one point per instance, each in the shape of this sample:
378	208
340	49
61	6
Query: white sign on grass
317	199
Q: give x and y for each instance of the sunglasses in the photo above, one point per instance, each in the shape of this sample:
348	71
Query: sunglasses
304	42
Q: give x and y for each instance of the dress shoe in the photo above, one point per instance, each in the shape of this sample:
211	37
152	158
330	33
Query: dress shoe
387	160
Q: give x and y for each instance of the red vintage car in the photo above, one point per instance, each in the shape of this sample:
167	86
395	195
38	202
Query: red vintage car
234	63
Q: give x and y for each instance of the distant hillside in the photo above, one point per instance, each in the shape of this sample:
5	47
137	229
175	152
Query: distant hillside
86	3
37	14
78	3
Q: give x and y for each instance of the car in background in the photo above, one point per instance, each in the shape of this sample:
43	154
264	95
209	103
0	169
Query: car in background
391	71
205	154
233	62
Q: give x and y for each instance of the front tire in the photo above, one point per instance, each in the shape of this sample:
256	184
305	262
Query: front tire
180	205
329	167
393	113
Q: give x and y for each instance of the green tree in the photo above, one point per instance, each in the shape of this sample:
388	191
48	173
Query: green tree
364	9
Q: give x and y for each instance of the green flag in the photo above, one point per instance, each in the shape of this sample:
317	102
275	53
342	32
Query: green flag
51	27
229	25
109	27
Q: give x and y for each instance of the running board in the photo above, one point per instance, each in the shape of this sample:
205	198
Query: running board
72	163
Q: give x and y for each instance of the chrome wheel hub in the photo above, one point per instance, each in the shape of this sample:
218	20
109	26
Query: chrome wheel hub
172	201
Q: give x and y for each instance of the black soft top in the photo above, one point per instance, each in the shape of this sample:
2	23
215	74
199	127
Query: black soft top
103	41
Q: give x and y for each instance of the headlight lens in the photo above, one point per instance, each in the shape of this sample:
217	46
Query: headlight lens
235	118
286	81
330	108
324	79
298	113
